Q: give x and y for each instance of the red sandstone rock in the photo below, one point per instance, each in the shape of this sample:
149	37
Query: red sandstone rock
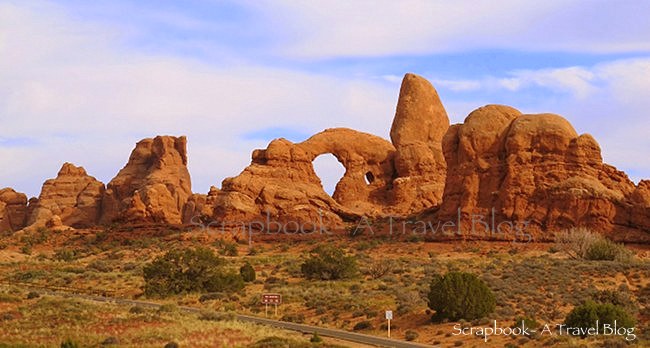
73	198
281	181
13	210
533	168
153	186
417	132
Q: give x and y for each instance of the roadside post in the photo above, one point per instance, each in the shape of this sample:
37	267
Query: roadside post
274	299
389	317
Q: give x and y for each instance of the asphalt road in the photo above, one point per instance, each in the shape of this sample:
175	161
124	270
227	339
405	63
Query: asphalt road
307	329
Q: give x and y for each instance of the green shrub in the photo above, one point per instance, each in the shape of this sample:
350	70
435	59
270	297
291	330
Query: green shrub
69	344
212	296
580	243
620	298
527	322
411	335
137	309
297	318
277	342
216	316
247	272
362	325
189	270
329	263
226	248
168	308
459	295
315	338
100	266
65	255
590	314
606	250
32	295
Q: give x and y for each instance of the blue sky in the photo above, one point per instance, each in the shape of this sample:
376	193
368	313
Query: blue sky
82	81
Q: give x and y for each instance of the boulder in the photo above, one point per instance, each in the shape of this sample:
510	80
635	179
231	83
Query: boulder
154	185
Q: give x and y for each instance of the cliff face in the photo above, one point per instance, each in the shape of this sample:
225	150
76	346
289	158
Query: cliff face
498	164
533	168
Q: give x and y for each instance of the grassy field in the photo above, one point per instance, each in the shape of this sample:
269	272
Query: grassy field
529	280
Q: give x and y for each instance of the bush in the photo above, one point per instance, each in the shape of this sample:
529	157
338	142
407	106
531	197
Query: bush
69	344
315	338
247	272
189	270
216	316
606	250
65	255
590	314
362	325
137	309
411	335
329	263
32	295
580	243
380	268
621	298
277	342
100	266
212	296
226	248
459	295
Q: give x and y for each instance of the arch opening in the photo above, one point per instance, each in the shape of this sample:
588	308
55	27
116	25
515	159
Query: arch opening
370	178
329	170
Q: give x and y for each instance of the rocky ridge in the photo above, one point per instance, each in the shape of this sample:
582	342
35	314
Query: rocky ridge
498	164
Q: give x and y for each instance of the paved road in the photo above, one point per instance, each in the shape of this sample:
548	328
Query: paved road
307	329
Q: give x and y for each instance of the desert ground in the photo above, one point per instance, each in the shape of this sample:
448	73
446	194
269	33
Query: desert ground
530	280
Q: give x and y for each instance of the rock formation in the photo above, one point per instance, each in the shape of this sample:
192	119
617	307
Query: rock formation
73	198
13	210
533	168
381	178
153	186
281	181
497	166
417	131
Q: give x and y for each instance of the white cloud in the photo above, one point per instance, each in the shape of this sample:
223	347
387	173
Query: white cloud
327	29
609	100
458	85
575	80
87	99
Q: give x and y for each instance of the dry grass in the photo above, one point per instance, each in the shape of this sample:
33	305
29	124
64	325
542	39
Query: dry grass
528	280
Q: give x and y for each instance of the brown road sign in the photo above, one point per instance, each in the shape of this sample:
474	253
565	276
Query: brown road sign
275	299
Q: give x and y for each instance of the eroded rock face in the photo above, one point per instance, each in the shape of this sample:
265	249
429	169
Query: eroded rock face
281	182
532	168
417	131
381	178
13	210
73	198
153	186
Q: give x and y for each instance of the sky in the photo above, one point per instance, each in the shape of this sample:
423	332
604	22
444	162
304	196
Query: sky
83	81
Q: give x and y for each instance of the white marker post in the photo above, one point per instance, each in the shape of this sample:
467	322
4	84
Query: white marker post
389	317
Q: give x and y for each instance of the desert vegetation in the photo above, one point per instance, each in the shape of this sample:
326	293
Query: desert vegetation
337	282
